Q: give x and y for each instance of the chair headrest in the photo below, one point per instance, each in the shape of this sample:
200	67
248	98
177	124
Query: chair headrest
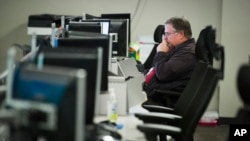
200	49
243	81
159	31
205	45
207	49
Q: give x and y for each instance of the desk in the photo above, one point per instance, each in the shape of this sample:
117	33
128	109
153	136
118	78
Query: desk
127	85
128	94
129	131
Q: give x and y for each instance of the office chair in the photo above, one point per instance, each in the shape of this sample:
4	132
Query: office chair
243	114
186	96
202	52
159	31
243	81
187	124
184	129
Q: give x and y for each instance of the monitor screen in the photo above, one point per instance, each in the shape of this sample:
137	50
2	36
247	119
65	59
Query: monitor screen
41	86
102	41
48	100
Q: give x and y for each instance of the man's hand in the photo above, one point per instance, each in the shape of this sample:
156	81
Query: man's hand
163	47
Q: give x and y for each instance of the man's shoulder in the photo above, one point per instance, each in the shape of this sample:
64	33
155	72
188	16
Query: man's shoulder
186	49
190	43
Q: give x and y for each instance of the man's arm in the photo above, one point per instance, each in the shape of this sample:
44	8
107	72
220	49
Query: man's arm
169	68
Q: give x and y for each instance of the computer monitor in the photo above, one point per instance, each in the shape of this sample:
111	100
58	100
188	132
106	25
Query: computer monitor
102	41
86	16
104	23
43	98
120	25
119	32
89	59
80	34
84	27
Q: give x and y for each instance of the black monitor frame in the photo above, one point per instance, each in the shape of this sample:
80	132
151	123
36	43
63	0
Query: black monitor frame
89	59
83	17
104	23
123	51
84	27
95	41
119	32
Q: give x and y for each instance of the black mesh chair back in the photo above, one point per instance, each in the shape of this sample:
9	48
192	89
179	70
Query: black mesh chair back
205	45
201	51
201	100
192	88
159	31
199	105
204	51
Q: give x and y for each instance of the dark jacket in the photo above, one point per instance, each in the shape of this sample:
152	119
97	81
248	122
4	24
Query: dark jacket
173	69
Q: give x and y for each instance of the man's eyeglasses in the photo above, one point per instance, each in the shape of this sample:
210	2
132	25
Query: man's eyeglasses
168	33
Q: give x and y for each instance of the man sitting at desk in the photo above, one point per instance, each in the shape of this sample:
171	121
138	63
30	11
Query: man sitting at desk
173	63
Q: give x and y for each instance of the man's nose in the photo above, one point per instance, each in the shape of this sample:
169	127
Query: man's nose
165	38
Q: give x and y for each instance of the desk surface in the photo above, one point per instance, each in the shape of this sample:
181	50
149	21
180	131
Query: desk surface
129	131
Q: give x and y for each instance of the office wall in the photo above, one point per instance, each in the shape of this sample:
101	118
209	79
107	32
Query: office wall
146	15
235	36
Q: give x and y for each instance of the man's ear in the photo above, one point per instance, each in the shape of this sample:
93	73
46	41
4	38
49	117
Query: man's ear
181	33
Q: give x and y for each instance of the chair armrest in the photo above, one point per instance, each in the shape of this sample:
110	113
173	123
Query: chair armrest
154	117
168	98
140	68
156	108
151	131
